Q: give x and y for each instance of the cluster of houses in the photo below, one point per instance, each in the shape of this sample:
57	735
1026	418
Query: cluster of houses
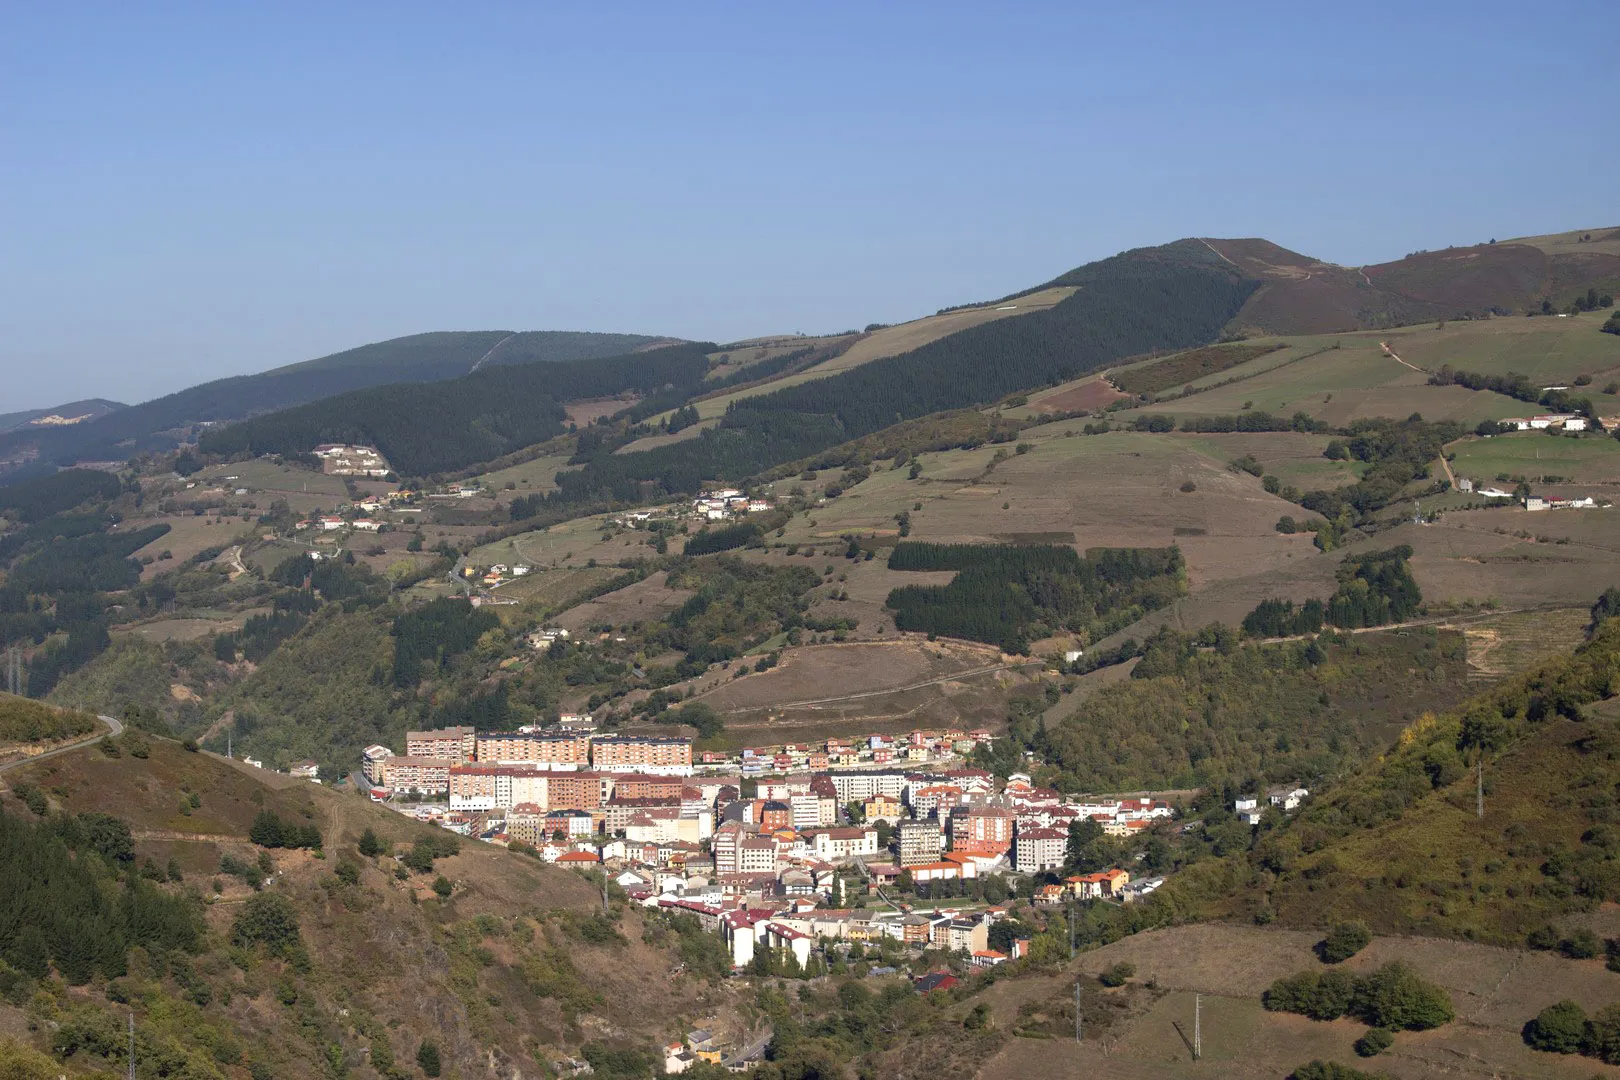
1531	502
727	502
497	574
340	459
917	747
357	516
1560	421
1287	798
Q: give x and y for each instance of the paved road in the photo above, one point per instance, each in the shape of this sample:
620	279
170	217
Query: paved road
114	727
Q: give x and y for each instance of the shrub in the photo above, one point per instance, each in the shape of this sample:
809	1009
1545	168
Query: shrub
1392	997
1343	941
1375	1042
1189	486
1118	975
1557	1029
1580	944
1332	1070
427	1057
442	887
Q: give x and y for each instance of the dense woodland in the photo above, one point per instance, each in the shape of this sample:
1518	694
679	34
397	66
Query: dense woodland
1200	715
34	500
66	907
430	357
424	428
1009	595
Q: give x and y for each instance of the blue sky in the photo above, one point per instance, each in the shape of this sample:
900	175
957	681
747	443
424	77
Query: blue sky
191	191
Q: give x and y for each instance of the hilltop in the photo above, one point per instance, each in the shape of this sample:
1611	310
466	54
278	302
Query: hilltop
74	412
1303	295
159	424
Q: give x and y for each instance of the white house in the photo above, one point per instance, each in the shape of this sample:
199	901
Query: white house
1287	797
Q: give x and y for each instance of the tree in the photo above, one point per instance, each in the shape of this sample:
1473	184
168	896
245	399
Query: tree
369	845
1395	997
268	919
427	1057
1088	849
1343	941
1375	1042
442	887
266	829
1557	1029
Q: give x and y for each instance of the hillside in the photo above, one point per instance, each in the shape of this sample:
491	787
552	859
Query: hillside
432	427
1402	847
158	423
1303	295
353	961
74	412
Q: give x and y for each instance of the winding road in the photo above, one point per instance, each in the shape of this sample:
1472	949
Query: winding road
115	726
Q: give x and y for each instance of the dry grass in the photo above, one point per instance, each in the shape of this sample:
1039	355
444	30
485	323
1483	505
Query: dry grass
646	600
1494	990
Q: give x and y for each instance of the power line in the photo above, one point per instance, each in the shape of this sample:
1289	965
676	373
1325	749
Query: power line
1198	1026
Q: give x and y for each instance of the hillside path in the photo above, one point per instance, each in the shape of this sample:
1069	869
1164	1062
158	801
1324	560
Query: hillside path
114	727
491	352
1389	352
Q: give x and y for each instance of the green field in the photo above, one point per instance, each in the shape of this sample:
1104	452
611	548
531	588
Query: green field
1344	377
1591	460
1548	349
528	477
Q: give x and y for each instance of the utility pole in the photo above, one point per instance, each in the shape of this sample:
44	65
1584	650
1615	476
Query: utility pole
1198	1026
1079	1031
1479	788
132	1046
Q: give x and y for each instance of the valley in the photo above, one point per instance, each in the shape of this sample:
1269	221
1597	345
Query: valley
1175	606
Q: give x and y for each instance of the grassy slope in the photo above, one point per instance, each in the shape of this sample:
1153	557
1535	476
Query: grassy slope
1401	847
385	950
1342	377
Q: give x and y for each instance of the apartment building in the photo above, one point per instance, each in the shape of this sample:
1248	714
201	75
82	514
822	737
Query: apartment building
423	775
920	842
642	754
1036	849
374	764
984	831
457	744
488	787
549	751
858	786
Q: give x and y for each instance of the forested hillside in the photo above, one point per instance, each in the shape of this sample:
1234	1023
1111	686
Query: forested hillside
1172	297
417	358
1403	846
431	427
